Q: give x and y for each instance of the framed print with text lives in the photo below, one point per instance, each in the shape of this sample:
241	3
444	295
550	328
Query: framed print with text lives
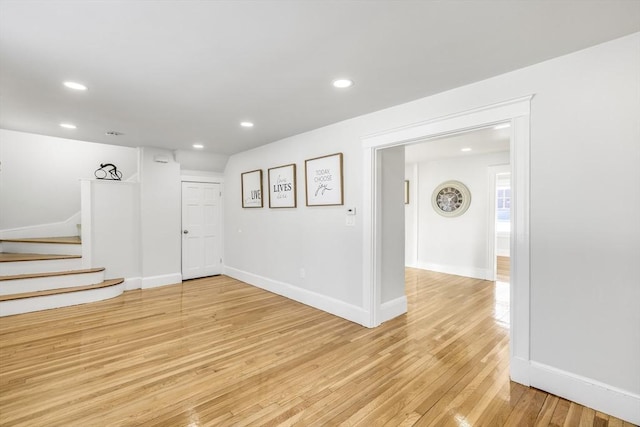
282	186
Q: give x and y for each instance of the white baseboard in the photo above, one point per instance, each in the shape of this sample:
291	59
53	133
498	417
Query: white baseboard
519	370
473	272
586	391
394	308
131	283
162	280
304	296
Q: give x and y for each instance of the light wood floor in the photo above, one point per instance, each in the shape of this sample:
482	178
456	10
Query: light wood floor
217	352
503	264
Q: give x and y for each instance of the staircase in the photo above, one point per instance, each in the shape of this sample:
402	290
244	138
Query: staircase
44	273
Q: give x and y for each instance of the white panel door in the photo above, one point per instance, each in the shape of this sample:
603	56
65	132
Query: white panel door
201	230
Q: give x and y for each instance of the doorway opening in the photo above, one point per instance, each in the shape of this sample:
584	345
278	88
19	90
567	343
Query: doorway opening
461	243
516	113
502	224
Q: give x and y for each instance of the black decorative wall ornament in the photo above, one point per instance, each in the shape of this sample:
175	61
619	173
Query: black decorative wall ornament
108	171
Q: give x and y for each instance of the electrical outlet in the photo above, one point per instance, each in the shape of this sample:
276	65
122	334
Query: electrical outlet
303	273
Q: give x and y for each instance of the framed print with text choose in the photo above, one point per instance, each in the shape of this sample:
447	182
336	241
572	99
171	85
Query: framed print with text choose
323	180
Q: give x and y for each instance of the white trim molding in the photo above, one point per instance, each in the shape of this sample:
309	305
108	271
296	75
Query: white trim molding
68	227
392	309
161	280
457	270
193	176
132	283
516	112
304	296
586	391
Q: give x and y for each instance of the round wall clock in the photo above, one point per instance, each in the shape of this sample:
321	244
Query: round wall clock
451	198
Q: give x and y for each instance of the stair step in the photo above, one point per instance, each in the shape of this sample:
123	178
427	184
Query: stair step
14	257
50	274
24	295
65	240
71	245
18	263
35	281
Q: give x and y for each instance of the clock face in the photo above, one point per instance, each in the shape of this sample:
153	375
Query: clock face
451	198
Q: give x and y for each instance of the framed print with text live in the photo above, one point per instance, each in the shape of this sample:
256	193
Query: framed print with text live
252	189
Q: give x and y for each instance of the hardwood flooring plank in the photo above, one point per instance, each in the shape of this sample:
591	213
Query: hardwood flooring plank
497	412
218	352
560	413
588	417
66	240
547	411
574	415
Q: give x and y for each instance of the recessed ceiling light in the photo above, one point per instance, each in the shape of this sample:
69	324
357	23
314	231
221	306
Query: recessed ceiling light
502	126
67	125
342	83
246	124
465	149
75	85
198	146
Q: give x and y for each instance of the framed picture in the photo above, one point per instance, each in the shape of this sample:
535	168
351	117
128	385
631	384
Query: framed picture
252	189
323	180
282	187
406	192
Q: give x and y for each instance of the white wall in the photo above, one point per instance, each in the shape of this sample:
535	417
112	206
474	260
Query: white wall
200	160
40	183
160	218
456	245
275	244
392	213
50	169
584	271
115	228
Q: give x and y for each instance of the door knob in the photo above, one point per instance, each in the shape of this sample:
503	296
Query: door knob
186	231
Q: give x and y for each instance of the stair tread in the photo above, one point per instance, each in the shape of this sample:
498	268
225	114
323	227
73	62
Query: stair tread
105	284
51	274
12	257
65	240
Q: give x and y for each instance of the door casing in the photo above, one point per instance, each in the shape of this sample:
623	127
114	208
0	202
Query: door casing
517	112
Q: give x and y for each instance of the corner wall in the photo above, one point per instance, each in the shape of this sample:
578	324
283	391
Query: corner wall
584	269
40	175
456	245
160	219
391	219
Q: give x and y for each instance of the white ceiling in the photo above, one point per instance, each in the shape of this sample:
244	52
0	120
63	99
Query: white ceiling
173	73
482	141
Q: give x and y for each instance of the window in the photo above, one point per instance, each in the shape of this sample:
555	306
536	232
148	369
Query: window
503	204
